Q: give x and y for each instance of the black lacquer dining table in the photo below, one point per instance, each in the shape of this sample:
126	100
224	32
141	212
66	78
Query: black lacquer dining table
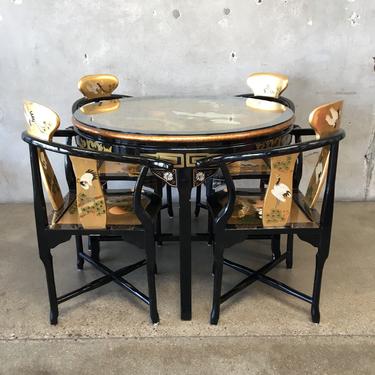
183	130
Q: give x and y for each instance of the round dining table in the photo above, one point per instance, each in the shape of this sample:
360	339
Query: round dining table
182	130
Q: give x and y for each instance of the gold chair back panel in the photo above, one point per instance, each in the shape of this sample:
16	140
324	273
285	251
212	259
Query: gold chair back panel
91	204
278	199
267	84
42	123
50	181
98	85
325	120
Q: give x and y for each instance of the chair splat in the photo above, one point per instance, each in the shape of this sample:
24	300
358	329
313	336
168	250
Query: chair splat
278	199
90	198
267	84
42	123
325	120
98	85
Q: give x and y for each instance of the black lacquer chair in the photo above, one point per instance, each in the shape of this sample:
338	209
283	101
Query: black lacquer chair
283	209
264	86
100	87
88	210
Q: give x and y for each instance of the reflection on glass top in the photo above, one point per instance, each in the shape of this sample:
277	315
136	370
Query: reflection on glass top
183	115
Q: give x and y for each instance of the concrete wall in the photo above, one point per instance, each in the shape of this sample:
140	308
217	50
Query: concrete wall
189	47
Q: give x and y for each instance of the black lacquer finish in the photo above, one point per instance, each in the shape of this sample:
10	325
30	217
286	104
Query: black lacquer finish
49	236
318	235
184	156
262	177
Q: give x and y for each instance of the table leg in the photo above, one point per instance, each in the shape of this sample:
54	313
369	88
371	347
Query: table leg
185	185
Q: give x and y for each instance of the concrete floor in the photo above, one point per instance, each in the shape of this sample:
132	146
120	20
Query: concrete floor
261	331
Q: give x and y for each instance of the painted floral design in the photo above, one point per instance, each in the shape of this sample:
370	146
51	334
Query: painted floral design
200	176
168	176
93	145
275	216
283	165
87	205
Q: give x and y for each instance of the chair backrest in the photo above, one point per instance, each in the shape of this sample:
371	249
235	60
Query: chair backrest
42	123
325	120
98	85
276	208
267	84
90	197
278	199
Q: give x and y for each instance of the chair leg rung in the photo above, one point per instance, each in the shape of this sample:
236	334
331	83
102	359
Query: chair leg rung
117	279
100	282
284	288
255	275
246	270
252	277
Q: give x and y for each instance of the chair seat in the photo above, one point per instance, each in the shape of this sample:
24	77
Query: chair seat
110	168
250	167
247	211
119	209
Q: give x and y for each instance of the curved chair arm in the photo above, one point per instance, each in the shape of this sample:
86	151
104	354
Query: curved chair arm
227	210
82	101
272	152
281	99
143	216
91	154
298	131
298	170
68	132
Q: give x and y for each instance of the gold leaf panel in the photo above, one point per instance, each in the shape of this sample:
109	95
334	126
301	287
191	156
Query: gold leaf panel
325	120
97	85
278	198
267	84
90	198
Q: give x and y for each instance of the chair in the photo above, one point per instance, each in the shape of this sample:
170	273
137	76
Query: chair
87	210
283	209
101	87
266	86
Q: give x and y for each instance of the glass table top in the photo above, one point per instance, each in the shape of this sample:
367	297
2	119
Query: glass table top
183	115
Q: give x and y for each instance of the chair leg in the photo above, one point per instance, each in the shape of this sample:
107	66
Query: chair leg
275	246
289	251
210	229
94	246
218	277
151	267
79	249
198	200
46	258
321	257
169	201
158	230
159	192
